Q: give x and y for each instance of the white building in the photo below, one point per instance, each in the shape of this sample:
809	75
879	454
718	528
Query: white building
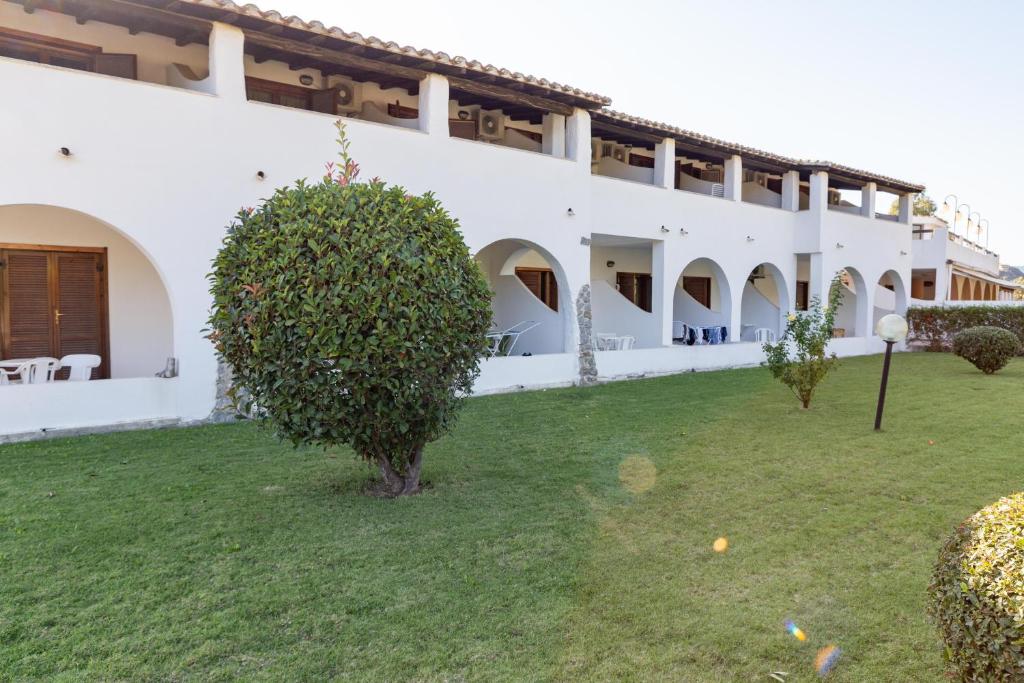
134	130
949	268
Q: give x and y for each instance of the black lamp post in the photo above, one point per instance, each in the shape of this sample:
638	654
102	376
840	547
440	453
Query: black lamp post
891	328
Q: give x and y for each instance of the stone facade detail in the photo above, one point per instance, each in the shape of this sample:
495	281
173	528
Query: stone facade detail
588	366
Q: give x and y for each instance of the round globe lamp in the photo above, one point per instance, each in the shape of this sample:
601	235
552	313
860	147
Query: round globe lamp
891	328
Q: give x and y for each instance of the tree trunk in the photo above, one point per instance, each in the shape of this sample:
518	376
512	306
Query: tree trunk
395	483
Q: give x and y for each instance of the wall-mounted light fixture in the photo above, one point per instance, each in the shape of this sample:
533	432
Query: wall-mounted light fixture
64	152
664	229
570	212
683	232
610	264
838	245
261	175
306	79
902	253
749	238
585	241
464	115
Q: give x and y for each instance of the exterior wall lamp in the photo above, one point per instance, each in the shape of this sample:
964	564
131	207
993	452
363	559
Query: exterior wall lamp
749	238
569	212
839	245
891	328
64	152
664	229
261	175
683	232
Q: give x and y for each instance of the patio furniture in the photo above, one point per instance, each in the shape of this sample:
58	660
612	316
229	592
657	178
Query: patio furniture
605	341
764	334
28	370
502	342
679	329
626	342
80	366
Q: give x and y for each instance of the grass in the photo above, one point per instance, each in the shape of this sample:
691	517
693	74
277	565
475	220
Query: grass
566	535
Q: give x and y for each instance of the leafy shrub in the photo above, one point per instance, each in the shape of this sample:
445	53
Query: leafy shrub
936	326
351	313
809	362
989	348
977	594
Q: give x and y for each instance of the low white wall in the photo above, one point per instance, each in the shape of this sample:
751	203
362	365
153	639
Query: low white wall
63	405
613	168
526	372
615	314
756	194
673	359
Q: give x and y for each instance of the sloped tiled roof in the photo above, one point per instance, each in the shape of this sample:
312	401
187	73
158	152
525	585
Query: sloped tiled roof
669	130
473	65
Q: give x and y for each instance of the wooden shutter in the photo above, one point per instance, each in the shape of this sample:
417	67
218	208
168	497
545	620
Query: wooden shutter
699	288
462	129
26	324
542	282
324	101
802	290
80	307
121	65
636	287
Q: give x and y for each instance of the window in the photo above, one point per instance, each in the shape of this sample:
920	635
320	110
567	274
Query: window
636	287
699	288
540	281
271	92
33	47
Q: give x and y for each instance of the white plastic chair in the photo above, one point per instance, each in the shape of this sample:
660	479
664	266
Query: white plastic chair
32	371
80	366
626	342
679	329
764	334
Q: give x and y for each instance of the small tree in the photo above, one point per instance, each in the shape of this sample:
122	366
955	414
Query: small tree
351	313
800	359
923	206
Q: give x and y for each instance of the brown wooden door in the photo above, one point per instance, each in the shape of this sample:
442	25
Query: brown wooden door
54	303
542	282
636	287
802	298
699	288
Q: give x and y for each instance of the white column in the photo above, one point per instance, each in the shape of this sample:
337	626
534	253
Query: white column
734	178
227	66
661	295
577	138
554	135
665	164
819	192
868	193
433	105
791	191
736	308
819	281
906	208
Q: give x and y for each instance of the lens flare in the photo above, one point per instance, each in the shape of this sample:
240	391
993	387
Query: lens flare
720	545
795	631
826	659
638	474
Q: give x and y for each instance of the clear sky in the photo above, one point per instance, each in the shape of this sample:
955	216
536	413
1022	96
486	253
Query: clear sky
931	92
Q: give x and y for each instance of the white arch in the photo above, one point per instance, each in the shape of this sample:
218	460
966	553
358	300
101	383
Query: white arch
687	310
498	260
852	316
751	312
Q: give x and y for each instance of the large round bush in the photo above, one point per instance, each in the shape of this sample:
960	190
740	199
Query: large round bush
989	348
977	594
351	313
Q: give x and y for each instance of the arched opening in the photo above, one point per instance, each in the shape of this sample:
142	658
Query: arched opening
890	297
852	304
954	289
531	302
701	305
765	303
73	284
977	290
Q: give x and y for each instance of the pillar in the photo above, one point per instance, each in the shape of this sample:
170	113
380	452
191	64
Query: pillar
906	208
734	178
577	138
554	135
665	164
819	193
227	65
433	105
662	292
868	193
791	191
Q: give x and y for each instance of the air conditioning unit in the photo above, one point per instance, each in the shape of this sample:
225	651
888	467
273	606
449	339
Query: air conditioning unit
349	95
491	125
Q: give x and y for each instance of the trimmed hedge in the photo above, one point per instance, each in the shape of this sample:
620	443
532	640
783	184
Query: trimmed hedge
936	326
977	594
988	348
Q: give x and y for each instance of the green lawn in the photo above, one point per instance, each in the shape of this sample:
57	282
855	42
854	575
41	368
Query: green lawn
216	553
